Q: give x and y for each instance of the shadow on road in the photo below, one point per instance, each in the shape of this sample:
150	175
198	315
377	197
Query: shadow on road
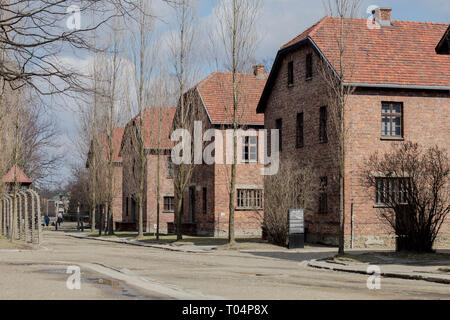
294	256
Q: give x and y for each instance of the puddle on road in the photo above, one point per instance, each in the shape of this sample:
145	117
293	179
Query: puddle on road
118	288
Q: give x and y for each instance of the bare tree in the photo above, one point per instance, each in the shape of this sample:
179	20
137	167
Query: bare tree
237	22
34	33
142	54
411	183
113	113
338	92
182	54
291	187
90	142
162	91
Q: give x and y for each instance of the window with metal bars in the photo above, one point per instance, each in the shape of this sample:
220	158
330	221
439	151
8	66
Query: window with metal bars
249	199
323	196
169	169
391	191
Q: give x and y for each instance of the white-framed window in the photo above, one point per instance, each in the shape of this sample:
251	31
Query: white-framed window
250	149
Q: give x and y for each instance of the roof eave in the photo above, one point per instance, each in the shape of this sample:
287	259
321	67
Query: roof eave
397	86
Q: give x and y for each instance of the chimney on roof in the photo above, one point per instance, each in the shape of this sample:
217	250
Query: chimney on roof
383	16
258	71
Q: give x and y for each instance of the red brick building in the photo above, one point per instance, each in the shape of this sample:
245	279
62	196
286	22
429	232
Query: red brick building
155	129
206	200
117	176
402	88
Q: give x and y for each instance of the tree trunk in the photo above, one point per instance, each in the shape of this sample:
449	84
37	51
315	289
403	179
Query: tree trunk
158	191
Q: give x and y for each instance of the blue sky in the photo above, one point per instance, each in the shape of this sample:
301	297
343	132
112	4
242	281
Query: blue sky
282	20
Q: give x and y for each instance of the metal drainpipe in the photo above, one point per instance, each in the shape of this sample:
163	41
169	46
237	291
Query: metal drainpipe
352	225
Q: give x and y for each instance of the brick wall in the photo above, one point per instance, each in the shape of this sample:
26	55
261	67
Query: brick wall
426	120
216	179
166	189
130	181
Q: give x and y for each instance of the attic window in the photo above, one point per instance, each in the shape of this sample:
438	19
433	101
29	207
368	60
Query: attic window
309	67
291	73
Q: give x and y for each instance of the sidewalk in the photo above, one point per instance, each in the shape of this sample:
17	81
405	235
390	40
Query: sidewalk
184	248
431	267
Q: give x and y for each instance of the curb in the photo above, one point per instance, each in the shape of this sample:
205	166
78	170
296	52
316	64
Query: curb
137	244
383	274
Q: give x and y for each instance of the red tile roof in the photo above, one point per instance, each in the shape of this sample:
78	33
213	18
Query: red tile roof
117	141
18	174
157	124
401	54
217	95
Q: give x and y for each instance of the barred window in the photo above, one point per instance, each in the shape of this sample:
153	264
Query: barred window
391	191
249	199
169	204
169	169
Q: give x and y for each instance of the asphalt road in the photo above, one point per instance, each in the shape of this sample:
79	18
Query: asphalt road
118	271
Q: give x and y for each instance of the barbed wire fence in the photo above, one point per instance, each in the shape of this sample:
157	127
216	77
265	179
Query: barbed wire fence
20	217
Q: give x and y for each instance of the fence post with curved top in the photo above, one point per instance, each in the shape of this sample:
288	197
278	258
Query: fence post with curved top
37	229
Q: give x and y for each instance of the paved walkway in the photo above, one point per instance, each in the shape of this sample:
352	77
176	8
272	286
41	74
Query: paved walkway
437	270
133	242
320	259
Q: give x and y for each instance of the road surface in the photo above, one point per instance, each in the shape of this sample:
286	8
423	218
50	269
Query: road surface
118	271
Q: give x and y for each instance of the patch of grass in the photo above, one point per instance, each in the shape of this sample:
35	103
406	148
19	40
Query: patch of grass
445	269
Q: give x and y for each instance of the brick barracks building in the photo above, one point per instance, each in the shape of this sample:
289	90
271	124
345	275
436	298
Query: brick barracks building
156	125
117	177
206	200
401	76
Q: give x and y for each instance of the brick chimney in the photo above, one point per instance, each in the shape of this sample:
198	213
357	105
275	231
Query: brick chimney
383	16
258	71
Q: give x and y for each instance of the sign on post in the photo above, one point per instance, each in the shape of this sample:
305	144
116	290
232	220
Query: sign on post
296	228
